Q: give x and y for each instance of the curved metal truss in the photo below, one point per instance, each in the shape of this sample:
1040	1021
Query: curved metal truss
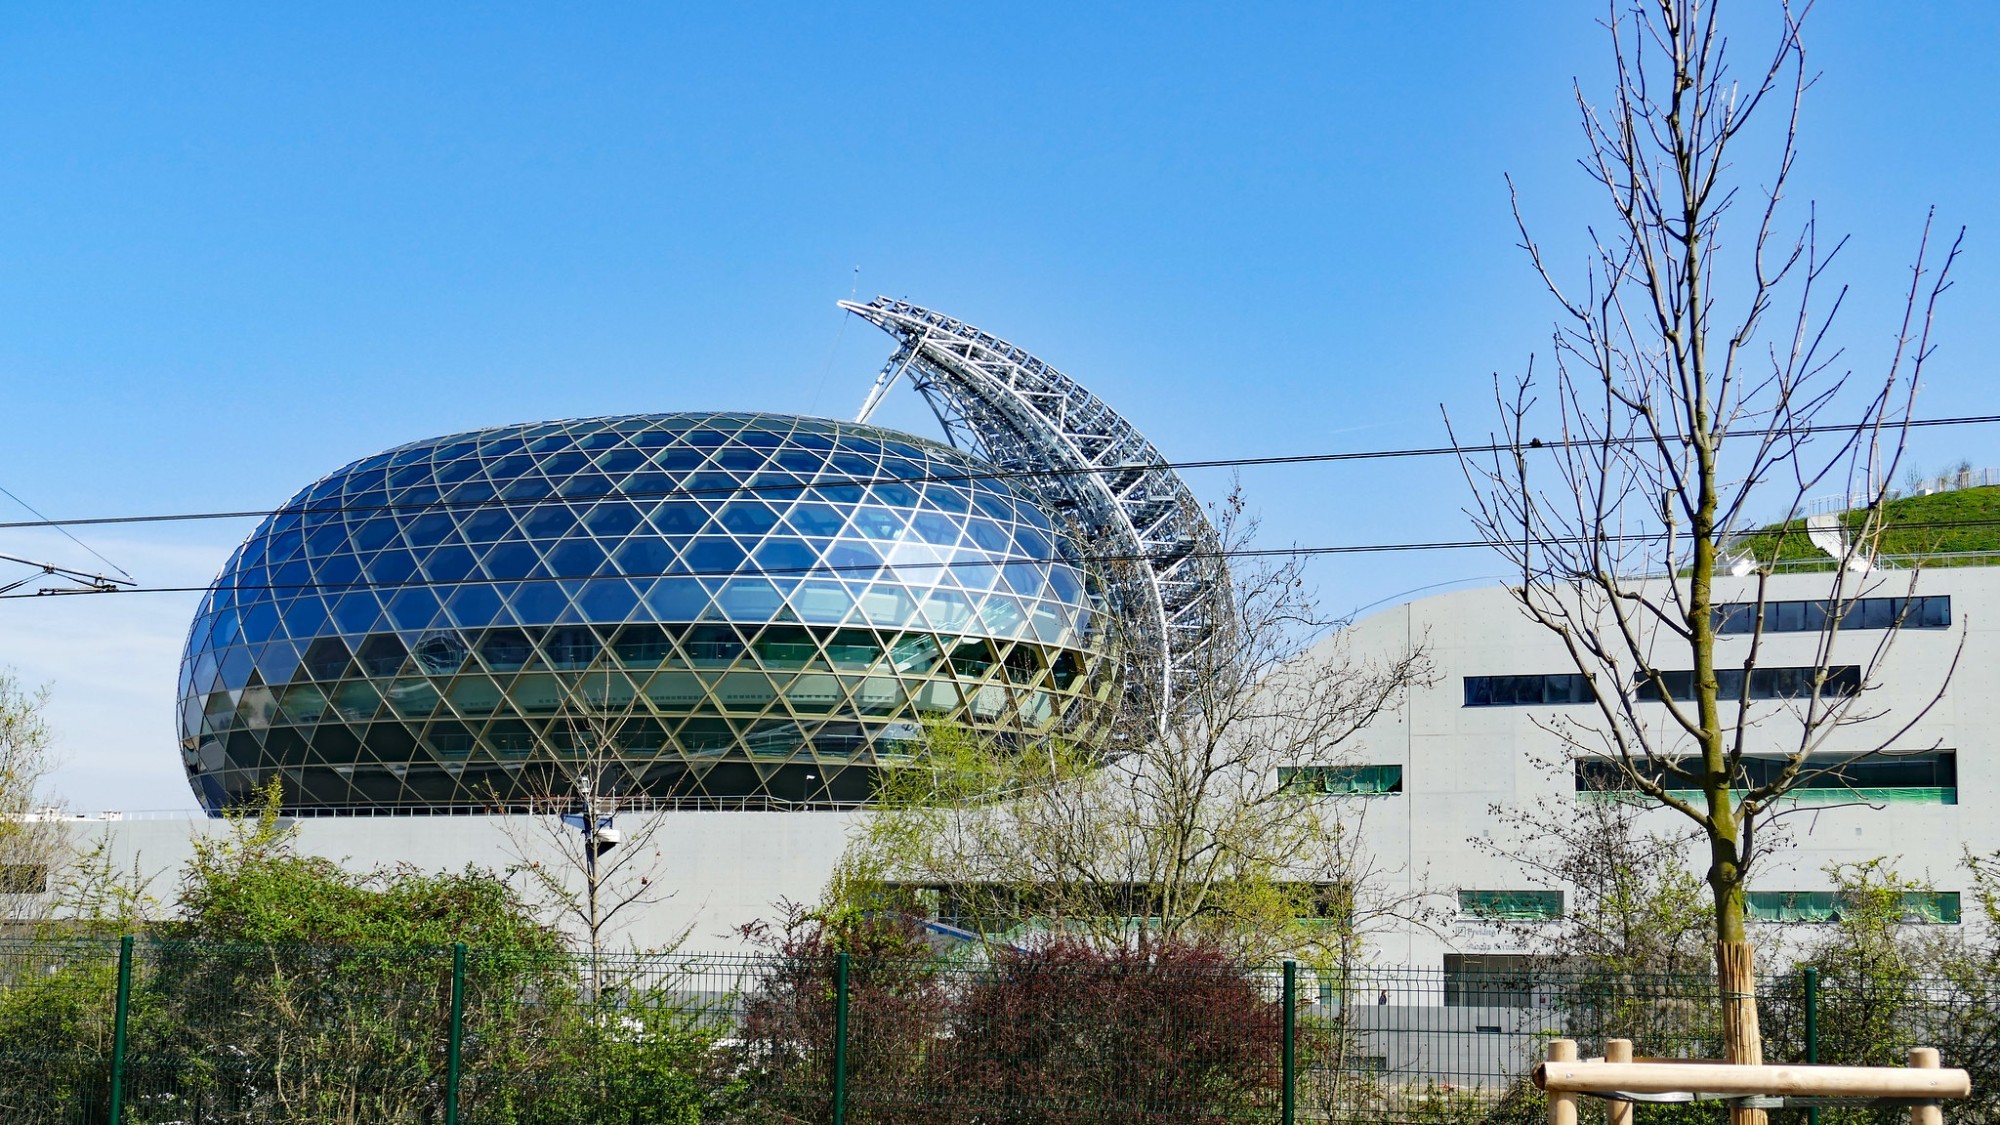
1084	462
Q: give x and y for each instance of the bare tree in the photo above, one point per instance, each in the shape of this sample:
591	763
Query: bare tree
1197	831
587	846
1696	389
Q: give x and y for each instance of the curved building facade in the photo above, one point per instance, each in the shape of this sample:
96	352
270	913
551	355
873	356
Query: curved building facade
719	606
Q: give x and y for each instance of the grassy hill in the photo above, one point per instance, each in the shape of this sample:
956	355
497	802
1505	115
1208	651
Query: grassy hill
1967	519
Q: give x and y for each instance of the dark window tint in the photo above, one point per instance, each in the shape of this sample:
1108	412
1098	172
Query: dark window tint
1512	691
1929	612
1765	683
1932	769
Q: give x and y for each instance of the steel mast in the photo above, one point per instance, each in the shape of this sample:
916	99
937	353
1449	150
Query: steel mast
1085	462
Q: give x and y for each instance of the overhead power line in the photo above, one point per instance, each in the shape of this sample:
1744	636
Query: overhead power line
863	482
836	570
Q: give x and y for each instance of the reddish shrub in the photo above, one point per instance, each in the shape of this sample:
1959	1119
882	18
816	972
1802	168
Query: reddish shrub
898	1007
1068	1033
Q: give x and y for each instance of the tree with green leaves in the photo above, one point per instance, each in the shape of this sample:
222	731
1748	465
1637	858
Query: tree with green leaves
33	844
1198	832
1632	908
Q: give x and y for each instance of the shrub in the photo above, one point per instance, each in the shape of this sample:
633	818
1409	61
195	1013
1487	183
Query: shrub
898	1006
1067	1032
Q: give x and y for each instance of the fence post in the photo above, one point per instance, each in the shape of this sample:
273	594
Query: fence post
840	1039
1288	1107
1562	1105
453	1057
1925	1058
1812	1015
119	1018
1617	1112
1812	1029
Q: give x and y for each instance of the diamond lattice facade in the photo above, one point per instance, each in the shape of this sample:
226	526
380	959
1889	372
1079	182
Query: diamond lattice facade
736	605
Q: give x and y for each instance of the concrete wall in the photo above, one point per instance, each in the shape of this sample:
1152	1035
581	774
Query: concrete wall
722	869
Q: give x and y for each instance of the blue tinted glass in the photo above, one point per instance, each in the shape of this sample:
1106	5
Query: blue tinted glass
786	555
472	606
749	600
539	603
714	555
414	589
512	560
413	609
644	555
677	599
608	600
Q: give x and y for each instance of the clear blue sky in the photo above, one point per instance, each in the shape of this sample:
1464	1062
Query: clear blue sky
242	246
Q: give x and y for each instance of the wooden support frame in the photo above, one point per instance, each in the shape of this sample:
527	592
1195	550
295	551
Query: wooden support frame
1565	1079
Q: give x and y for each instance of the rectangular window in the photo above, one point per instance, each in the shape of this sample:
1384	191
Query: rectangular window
24	879
1765	683
1511	906
1488	980
1344	781
1926	778
1558	689
1926	907
1928	612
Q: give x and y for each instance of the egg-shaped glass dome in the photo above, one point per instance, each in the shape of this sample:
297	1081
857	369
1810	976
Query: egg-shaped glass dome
726	607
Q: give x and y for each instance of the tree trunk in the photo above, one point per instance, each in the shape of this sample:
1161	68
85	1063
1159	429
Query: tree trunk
1742	1039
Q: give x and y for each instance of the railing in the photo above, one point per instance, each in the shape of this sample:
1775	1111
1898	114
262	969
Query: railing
145	1031
637	804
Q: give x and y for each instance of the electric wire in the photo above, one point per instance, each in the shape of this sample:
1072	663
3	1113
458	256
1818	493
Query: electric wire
46	522
801	485
837	569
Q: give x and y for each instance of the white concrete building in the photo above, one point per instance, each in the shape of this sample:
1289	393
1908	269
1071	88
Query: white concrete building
1468	741
1440	762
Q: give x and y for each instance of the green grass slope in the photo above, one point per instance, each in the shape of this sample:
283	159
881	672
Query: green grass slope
1964	520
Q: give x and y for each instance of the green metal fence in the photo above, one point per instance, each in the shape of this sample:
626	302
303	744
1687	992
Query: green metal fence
145	1032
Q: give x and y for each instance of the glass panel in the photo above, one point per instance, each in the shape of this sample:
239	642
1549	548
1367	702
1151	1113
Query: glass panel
677	599
822	602
356	699
1527	906
853	649
749	600
675	691
745	691
505	650
644	555
474	695
642	646
382	654
571	646
413	698
608	600
786	647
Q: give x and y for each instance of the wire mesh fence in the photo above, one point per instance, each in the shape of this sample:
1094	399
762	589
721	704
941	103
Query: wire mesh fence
149	1032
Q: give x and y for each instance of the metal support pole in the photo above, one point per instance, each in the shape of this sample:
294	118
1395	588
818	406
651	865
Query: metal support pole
1812	1029
453	1058
1289	1106
840	1039
119	1021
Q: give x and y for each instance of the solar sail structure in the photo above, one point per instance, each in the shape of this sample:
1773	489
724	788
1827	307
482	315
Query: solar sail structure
1084	461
